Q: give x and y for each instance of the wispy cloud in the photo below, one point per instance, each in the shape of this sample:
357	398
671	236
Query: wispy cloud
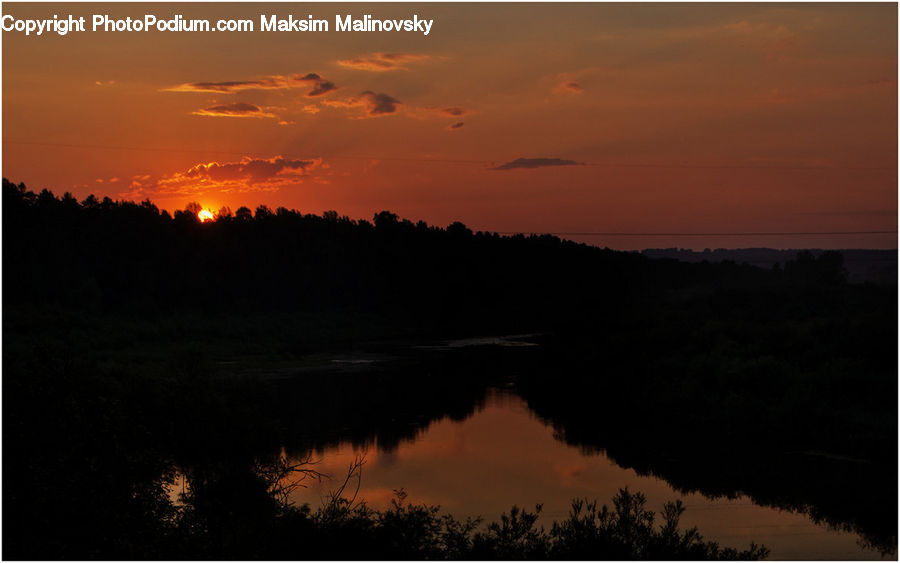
239	109
568	87
536	163
383	62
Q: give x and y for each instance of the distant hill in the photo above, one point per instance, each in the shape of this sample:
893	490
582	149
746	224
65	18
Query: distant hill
876	266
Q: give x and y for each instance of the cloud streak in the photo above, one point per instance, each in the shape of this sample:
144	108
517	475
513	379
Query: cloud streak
318	85
536	163
239	109
383	62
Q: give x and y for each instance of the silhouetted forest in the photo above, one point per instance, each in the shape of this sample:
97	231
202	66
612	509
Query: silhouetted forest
123	324
109	257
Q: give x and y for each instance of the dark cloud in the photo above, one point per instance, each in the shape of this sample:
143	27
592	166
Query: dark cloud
321	87
373	104
379	104
536	163
239	109
456	125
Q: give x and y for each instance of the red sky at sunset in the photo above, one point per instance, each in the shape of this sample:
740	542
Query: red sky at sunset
649	118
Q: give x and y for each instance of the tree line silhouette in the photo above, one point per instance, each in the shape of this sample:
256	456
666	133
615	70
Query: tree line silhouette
115	255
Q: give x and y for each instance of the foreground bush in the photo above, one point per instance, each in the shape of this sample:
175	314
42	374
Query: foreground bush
346	529
625	531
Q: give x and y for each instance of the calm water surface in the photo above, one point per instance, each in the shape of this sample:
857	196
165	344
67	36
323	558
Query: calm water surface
504	455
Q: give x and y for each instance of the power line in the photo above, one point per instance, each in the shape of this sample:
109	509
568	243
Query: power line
490	163
743	234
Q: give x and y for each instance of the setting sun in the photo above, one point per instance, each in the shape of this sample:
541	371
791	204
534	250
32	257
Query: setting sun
205	215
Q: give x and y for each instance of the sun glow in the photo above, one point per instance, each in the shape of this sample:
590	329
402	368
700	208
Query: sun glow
205	215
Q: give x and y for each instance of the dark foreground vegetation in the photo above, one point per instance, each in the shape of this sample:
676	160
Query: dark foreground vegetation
136	343
347	530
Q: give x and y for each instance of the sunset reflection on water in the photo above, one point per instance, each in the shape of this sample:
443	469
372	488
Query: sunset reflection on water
503	455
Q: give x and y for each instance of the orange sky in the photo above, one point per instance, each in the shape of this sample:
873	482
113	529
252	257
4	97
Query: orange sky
634	117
